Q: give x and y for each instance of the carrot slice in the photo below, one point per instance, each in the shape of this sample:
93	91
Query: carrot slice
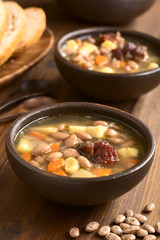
55	164
60	172
54	146
38	135
122	64
26	156
79	42
101	172
101	60
131	162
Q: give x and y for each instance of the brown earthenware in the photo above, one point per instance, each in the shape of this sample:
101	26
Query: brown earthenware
79	191
105	86
106	11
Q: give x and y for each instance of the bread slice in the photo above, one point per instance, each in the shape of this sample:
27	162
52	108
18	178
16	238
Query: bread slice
15	32
3	19
35	26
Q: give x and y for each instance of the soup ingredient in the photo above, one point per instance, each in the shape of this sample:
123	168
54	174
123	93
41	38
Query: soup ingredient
128	152
71	165
55	164
101	172
82	173
149	207
26	156
44	129
92	226
102	123
71	140
24	145
74	232
103	231
84	162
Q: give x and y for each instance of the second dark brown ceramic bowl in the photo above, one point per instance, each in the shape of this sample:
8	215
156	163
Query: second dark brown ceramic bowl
105	86
106	11
79	191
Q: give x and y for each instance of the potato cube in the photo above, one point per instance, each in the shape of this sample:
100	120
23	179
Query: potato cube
83	173
87	47
128	152
44	129
152	65
75	129
109	45
106	70
71	165
97	131
24	145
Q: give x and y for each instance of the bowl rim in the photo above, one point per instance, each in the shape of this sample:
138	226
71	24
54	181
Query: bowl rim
11	136
98	29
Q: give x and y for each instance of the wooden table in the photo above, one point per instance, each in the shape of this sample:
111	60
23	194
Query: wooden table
26	216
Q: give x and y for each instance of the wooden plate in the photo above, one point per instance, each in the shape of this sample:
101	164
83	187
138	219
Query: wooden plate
16	66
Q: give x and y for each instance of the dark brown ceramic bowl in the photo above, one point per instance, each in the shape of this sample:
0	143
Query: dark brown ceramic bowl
79	191
105	86
106	11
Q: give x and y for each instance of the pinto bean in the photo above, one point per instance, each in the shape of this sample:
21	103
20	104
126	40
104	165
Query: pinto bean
129	213
54	155
70	152
116	229
141	218
103	123
126	236
84	162
61	126
79	140
87	65
74	232
158	227
84	135
71	140
133	64
131	229
92	226
41	149
119	219
115	140
149	237
103	231
148	228
112	236
149	207
132	221
111	132
60	135
39	159
34	163
141	232
76	58
49	139
91	40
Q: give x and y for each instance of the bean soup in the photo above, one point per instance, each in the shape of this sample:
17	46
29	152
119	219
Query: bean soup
110	53
80	146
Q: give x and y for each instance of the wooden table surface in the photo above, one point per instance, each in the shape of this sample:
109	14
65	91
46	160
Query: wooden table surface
26	216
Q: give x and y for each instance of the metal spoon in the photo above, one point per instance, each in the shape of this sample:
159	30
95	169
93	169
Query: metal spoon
27	89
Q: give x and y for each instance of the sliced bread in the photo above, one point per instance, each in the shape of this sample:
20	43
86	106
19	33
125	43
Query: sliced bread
15	32
35	26
3	19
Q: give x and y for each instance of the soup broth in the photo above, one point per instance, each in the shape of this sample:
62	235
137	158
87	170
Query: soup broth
80	146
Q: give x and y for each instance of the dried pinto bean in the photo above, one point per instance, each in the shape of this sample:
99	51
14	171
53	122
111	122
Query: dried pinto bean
141	232
119	219
128	237
103	231
157	227
149	207
149	237
129	213
132	221
148	228
141	218
74	232
92	226
116	229
131	229
112	236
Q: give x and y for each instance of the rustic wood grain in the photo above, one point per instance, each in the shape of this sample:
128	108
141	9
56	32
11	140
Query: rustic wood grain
26	216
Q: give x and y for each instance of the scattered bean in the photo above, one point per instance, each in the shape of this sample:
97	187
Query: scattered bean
119	219
124	225
103	123
132	221
116	229
128	237
148	228
141	218
142	233
149	237
103	231
84	162
41	149
84	135
149	207
54	155
61	126
92	226
115	140
158	227
112	236
129	213
60	135
71	141
74	232
131	229
70	152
